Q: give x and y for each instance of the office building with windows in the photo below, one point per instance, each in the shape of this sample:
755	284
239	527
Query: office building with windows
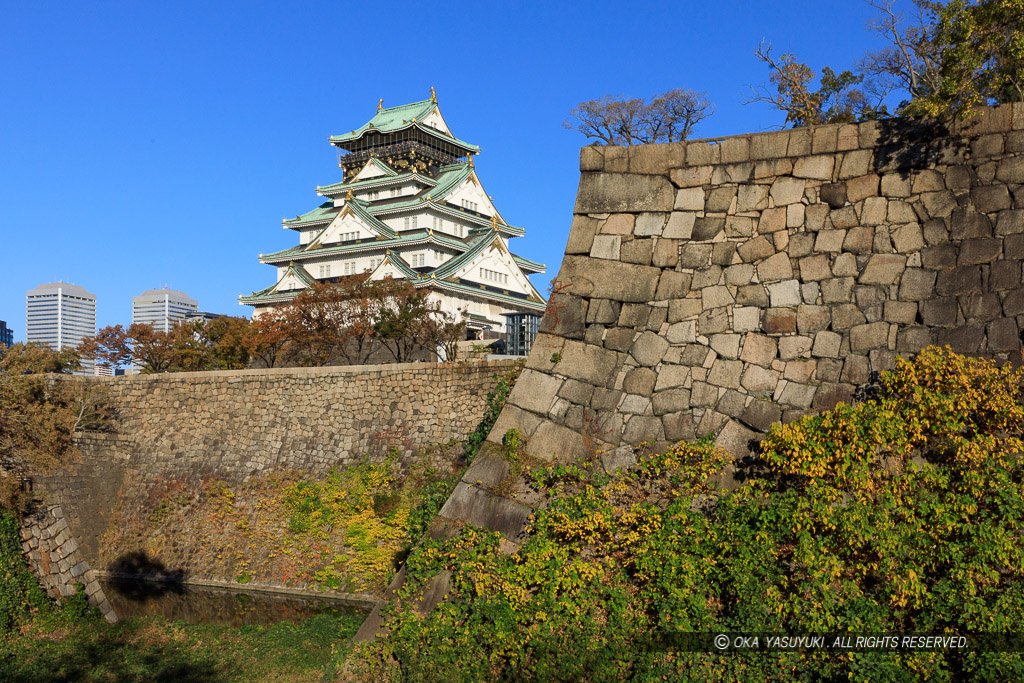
161	308
61	315
6	334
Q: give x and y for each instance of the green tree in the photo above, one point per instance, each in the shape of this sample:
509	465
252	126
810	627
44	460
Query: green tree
947	59
980	52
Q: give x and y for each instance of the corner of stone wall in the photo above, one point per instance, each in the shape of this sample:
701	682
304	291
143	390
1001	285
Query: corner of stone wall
723	285
56	559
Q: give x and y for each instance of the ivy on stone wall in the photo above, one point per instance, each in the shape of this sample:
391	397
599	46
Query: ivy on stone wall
20	593
915	533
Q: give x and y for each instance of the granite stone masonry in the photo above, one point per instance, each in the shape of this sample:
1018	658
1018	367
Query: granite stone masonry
57	560
228	426
723	285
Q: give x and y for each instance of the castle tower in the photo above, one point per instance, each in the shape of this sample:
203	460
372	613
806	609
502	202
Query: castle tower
409	206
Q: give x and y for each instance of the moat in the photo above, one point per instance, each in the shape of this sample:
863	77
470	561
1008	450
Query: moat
223	606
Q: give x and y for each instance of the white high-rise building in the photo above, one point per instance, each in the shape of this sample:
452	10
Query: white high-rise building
61	315
161	308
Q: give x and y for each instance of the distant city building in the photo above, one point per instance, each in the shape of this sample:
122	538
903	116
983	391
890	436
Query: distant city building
161	308
203	316
6	334
61	315
411	207
104	371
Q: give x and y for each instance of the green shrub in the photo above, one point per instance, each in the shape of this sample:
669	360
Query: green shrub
849	531
20	593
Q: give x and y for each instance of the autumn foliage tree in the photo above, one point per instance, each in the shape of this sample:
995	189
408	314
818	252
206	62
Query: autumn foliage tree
946	59
39	414
344	322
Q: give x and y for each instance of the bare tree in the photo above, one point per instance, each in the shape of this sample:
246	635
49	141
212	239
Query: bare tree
911	61
616	120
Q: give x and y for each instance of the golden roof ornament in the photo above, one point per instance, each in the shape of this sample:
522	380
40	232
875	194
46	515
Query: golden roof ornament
494	223
380	105
348	197
433	95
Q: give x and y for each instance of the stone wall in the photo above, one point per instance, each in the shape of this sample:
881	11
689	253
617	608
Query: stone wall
191	428
56	558
720	286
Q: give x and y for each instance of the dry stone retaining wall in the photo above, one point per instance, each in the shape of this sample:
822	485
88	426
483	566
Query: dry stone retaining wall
189	428
720	286
57	560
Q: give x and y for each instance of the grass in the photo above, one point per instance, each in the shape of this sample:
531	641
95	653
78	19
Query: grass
152	649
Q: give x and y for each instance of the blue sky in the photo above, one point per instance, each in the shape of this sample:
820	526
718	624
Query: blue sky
145	144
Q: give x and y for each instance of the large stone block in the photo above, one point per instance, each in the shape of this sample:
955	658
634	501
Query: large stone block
961	280
759	349
917	284
1011	170
670	401
588	363
736	440
726	373
939	312
775	268
814	167
837	290
680	225
476	506
883	269
1010	222
976	251
990	198
784	294
786	191
756	249
649	349
606	247
691	176
620	192
780	320
869	336
608	279
656	158
810	318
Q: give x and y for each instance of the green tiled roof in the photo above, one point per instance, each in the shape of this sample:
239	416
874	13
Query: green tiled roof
394	119
324	212
489	293
444	185
393	243
528	264
268	294
338	188
361	209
